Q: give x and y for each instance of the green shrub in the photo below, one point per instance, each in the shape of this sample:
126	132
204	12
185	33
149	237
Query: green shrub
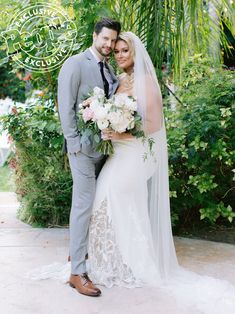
42	181
201	137
10	84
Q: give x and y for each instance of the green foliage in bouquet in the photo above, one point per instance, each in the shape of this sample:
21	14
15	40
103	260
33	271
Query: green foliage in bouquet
42	182
117	113
201	136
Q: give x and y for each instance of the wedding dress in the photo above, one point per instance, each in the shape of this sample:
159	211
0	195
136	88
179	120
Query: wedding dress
120	249
130	237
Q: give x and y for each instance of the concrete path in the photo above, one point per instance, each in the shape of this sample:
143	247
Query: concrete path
23	248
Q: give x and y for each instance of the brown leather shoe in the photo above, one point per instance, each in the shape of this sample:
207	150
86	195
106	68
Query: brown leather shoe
69	258
84	285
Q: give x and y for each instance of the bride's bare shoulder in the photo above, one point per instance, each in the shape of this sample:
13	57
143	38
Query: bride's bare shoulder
121	76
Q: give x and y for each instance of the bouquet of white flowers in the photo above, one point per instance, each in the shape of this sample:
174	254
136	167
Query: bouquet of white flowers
118	113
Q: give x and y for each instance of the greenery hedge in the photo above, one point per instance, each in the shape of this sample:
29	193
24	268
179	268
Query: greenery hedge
201	138
43	180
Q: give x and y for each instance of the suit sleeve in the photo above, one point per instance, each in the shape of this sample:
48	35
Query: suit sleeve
68	85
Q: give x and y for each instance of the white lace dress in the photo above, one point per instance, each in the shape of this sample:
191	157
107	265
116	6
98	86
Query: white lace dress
120	242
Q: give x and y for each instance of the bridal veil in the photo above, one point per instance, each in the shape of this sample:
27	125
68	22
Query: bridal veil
149	99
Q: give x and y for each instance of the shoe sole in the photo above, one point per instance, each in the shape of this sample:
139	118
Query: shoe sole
89	295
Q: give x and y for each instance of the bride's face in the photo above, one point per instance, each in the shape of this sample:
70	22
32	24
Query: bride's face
123	55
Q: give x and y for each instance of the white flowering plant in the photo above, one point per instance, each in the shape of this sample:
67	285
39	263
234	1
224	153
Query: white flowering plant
118	113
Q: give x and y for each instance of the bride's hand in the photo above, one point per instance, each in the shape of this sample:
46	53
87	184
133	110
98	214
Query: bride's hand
109	134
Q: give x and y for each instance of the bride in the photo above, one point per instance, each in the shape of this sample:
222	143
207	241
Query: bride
130	239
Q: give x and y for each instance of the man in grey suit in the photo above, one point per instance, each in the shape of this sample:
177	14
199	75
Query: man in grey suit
78	76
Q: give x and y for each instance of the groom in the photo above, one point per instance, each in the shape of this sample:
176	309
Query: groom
78	76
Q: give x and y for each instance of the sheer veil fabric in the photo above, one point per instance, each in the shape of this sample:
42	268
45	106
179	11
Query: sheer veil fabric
206	294
148	93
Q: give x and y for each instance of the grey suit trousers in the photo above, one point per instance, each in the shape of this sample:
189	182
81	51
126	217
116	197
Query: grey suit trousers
78	76
85	170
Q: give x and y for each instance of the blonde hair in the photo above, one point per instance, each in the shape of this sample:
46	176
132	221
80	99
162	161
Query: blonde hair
128	40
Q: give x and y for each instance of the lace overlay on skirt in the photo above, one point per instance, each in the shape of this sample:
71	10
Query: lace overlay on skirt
105	260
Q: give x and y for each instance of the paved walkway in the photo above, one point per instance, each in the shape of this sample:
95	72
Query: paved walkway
23	248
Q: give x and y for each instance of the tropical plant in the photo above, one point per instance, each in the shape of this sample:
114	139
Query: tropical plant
172	30
201	145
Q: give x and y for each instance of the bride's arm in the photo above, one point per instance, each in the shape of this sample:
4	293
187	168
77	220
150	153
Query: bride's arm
153	116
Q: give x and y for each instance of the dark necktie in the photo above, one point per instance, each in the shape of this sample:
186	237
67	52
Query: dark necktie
106	83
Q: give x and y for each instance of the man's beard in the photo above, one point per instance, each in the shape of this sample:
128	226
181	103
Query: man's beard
106	54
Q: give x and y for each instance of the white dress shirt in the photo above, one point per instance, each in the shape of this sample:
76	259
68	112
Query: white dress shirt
106	70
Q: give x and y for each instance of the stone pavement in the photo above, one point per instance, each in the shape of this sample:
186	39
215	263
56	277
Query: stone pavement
23	248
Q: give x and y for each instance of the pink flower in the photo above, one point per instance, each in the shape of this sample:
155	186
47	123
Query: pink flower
87	114
14	110
9	139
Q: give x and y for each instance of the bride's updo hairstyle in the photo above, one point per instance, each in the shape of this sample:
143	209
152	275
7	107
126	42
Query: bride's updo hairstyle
129	41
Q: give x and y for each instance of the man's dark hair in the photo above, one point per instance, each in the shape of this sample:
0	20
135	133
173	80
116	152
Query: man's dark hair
108	23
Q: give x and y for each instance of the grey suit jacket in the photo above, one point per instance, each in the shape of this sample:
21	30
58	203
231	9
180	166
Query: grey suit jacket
77	78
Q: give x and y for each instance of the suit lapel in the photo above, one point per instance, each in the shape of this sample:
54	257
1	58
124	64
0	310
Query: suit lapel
114	78
95	68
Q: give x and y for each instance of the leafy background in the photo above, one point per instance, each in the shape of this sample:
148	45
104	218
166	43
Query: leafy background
189	43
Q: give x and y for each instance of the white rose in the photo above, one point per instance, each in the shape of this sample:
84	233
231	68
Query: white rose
131	104
114	116
99	92
108	105
100	113
102	124
127	114
119	100
118	121
95	104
